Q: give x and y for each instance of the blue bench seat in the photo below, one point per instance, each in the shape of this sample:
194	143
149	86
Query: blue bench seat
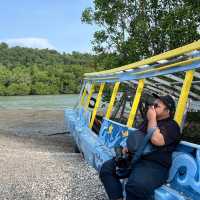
184	175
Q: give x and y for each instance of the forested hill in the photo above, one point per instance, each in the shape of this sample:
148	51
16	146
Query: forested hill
25	71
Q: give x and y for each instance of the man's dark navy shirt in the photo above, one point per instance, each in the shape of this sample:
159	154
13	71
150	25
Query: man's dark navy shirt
171	133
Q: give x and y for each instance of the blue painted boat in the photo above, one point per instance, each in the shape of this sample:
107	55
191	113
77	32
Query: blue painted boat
176	72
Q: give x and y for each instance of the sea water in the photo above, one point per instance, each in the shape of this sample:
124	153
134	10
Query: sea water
39	101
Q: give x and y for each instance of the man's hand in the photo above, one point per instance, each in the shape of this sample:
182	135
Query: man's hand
157	138
151	113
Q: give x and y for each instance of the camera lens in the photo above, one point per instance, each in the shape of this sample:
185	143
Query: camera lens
155	105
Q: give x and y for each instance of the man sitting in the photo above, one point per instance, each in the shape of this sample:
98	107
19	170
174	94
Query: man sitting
151	170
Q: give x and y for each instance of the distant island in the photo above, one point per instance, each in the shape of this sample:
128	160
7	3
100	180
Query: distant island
27	71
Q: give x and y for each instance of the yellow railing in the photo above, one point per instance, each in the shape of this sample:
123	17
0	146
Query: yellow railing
186	62
83	96
184	96
135	103
112	100
97	104
89	97
169	54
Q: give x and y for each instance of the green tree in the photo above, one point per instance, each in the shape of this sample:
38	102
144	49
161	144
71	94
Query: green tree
21	75
18	89
134	29
44	88
2	90
5	76
41	71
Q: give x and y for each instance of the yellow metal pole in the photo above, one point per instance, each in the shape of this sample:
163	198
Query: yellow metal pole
97	104
184	96
112	100
135	103
89	97
169	54
83	96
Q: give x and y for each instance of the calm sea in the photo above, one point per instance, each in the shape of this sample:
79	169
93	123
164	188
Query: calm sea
38	101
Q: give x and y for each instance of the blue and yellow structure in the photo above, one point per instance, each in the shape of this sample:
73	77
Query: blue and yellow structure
176	72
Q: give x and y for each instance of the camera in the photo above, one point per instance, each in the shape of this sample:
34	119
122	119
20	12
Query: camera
122	163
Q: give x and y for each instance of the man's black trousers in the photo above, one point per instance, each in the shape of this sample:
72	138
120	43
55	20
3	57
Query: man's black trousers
145	177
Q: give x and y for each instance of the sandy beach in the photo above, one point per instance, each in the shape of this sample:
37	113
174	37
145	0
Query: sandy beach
37	159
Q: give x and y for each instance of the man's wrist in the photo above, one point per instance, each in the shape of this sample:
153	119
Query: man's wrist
152	119
152	123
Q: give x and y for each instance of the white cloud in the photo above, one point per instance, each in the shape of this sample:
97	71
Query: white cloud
40	43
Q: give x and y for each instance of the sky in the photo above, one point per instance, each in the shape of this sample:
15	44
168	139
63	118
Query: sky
53	24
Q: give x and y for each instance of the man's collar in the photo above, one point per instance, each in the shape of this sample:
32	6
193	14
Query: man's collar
165	119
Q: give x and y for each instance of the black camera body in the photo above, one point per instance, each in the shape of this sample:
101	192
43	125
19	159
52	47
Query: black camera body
123	163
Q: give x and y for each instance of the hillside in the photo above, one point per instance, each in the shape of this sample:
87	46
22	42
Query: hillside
25	71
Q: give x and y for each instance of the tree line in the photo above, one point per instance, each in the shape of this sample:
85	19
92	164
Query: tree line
25	71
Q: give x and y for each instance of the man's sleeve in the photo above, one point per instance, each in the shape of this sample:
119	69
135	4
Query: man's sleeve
170	132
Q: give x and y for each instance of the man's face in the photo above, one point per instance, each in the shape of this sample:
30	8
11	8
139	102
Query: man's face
161	109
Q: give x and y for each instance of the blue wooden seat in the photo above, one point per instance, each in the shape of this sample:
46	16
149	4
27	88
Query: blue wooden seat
184	175
82	120
112	133
69	115
76	118
87	141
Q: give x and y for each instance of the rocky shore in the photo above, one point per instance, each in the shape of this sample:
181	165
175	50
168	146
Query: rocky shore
37	159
